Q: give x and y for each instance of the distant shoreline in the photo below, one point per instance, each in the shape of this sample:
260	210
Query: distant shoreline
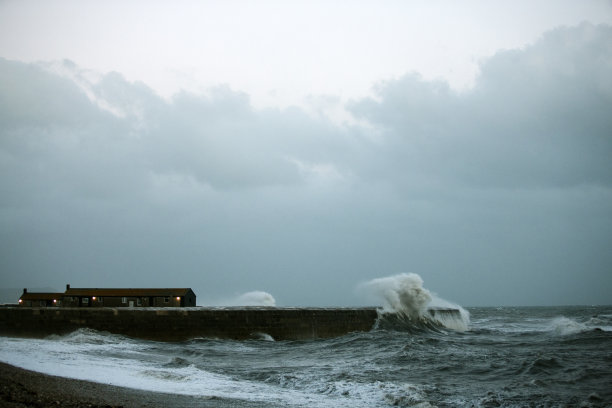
23	388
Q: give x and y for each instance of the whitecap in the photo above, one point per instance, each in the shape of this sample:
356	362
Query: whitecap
564	326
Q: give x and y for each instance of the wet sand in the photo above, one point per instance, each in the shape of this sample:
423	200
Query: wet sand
21	388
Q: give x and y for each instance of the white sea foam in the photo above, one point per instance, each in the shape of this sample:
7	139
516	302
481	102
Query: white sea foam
94	363
564	326
262	336
450	320
602	322
115	360
405	295
561	325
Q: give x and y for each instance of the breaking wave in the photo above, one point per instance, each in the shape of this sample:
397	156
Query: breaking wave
406	301
564	326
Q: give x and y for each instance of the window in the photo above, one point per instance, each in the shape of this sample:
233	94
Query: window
138	303
85	301
123	300
167	299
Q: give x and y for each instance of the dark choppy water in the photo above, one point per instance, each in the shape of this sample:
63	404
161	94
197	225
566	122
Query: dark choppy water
510	357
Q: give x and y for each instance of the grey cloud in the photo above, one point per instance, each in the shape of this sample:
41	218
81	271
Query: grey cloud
124	131
32	97
221	141
537	117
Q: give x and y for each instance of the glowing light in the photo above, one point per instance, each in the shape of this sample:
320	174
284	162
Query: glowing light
20	300
178	298
93	298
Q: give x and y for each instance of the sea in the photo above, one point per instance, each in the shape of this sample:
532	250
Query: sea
493	357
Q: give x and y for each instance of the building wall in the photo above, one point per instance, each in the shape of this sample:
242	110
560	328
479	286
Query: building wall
129	301
40	303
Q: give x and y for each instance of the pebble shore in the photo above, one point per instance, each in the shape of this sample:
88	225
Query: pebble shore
21	388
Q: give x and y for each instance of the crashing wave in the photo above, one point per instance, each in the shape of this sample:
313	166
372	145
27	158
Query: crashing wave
407	302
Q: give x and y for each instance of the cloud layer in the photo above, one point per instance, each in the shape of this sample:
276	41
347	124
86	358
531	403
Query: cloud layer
537	117
492	194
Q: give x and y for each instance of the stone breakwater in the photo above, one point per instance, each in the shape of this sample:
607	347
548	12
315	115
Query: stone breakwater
179	324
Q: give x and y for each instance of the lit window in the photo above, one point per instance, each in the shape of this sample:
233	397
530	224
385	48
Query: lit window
85	301
123	300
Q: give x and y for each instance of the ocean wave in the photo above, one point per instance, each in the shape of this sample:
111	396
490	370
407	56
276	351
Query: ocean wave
391	321
89	336
564	326
524	357
177	362
541	365
262	336
407	305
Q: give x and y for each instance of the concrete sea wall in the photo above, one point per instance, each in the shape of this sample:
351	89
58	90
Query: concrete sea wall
178	324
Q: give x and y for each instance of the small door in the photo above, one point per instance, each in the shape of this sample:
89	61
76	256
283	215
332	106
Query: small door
131	303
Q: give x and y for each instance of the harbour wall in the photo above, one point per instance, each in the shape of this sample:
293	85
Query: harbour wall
179	324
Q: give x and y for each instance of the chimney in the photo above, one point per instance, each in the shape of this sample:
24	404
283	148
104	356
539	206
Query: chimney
67	286
25	290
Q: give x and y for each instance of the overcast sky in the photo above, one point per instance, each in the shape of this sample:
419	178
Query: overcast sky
303	148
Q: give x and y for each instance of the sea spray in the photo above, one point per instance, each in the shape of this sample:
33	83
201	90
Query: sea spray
564	326
253	298
458	320
405	296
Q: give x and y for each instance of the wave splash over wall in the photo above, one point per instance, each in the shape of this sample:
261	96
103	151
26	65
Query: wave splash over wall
405	297
253	298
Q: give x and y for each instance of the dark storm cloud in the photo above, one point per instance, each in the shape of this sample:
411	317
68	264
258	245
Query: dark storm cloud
538	117
124	130
490	194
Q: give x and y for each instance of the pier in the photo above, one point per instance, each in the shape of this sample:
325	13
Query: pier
180	324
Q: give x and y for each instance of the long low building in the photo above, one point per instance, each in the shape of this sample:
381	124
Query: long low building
40	299
111	297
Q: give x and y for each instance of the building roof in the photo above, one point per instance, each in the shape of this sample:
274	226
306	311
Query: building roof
127	292
41	296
